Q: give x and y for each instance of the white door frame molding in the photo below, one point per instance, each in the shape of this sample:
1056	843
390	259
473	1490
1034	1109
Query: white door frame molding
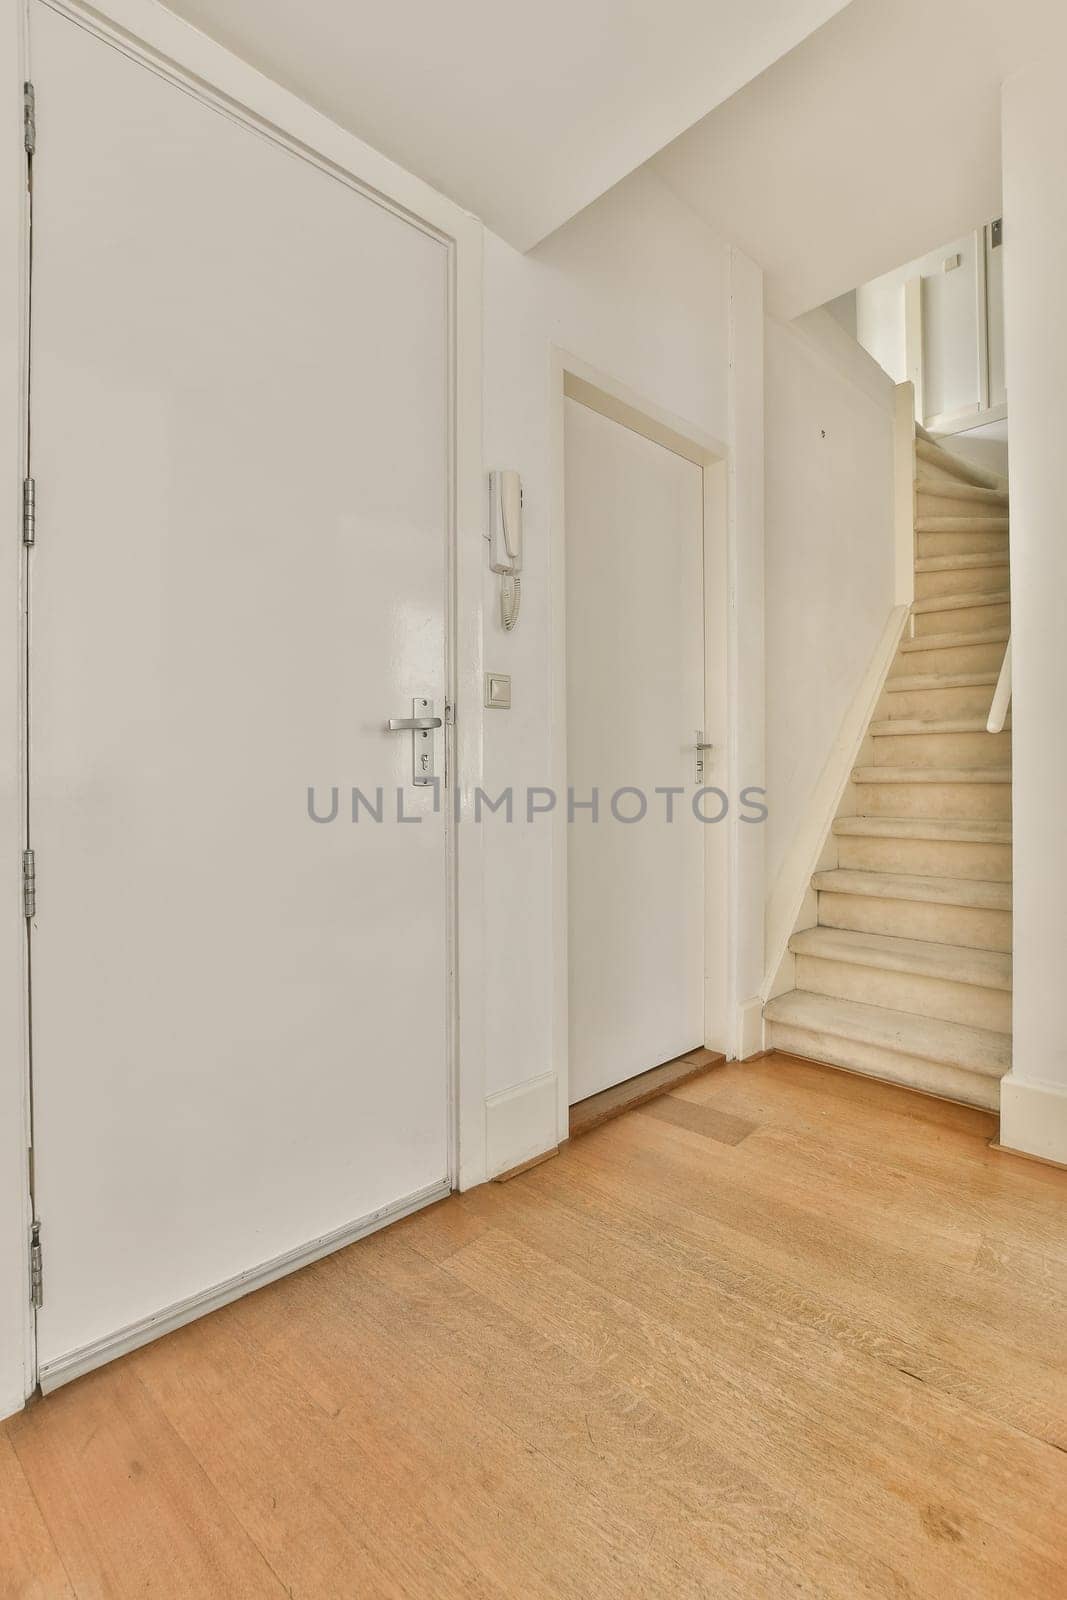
165	44
572	378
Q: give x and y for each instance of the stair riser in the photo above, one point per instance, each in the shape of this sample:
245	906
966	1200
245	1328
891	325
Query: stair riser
930	471
972	927
936	704
943	749
946	543
941	522
914	1072
960	580
965	619
956	658
971	801
936	464
936	505
927	858
906	991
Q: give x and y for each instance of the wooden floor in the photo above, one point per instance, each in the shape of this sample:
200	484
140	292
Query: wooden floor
784	1332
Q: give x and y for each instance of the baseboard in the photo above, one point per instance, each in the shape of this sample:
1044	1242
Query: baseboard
786	898
750	1028
52	1374
11	1404
520	1124
1033	1119
1024	1155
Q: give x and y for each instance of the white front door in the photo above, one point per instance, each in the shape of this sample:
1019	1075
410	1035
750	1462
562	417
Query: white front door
635	714
239	418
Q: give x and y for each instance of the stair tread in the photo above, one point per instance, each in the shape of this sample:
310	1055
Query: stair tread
887	726
931	774
962	602
974	1049
973	892
964	562
955	641
965	491
989	969
901	681
955	830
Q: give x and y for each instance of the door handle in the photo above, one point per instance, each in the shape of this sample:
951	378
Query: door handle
420	725
700	746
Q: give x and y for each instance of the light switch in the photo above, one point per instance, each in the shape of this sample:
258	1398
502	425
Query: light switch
498	690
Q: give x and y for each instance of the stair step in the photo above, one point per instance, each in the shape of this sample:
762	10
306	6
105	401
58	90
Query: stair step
971	892
927	450
963	541
967	491
964	562
939	680
972	1049
955	641
931	774
954	523
947	830
987	969
903	726
961	602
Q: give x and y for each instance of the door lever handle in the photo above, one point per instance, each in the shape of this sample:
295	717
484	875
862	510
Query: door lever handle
420	725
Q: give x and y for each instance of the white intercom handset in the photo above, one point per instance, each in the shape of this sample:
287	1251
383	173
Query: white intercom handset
505	541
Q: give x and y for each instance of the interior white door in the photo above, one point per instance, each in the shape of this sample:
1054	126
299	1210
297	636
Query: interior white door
240	439
635	714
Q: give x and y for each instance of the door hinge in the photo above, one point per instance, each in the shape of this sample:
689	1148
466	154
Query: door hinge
29	510
29	118
29	884
36	1268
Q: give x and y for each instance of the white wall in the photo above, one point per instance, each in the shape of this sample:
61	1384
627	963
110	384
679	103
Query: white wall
640	289
980	447
1034	1095
950	324
829	552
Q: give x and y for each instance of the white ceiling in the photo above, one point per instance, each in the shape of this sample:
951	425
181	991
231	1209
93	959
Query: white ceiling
523	113
872	142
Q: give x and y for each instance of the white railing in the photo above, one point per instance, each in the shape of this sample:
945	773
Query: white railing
998	711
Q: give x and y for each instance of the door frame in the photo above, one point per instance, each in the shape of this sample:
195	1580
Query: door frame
163	43
571	378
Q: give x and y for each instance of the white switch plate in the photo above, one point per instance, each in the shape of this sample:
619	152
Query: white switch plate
498	690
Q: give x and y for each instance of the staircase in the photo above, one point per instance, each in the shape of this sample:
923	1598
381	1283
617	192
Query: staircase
907	973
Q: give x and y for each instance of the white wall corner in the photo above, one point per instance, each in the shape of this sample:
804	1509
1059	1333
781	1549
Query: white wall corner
789	904
750	1028
520	1123
904	495
746	673
1033	1118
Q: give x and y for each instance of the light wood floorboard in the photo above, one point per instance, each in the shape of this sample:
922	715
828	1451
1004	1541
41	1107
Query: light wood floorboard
784	1332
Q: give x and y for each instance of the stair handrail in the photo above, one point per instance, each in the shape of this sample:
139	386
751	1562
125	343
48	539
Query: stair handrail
998	711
